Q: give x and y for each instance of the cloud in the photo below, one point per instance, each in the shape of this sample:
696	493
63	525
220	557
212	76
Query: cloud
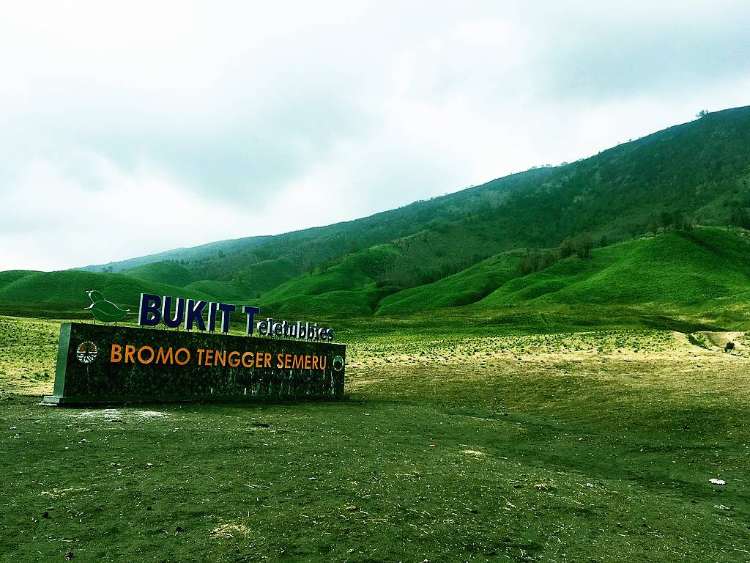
80	211
256	118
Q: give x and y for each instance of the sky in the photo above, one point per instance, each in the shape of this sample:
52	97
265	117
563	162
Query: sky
128	128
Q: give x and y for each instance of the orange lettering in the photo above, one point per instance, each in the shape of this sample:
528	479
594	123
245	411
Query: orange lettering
298	362
163	357
315	362
307	361
279	360
267	362
234	359
129	351
220	357
185	352
248	360
323	362
151	356
116	353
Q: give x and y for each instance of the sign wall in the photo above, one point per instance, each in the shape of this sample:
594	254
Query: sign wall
116	364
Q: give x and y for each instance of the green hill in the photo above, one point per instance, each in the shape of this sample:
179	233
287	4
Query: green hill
690	269
9	276
462	288
468	249
168	271
347	288
702	274
64	293
699	171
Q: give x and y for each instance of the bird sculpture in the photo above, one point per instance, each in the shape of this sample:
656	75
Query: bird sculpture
103	310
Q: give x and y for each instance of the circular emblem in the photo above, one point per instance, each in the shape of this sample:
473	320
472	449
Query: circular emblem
338	363
86	352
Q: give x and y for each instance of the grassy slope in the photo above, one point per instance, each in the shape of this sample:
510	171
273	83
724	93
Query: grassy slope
223	291
168	272
9	276
683	269
345	289
691	273
463	288
177	275
64	292
702	274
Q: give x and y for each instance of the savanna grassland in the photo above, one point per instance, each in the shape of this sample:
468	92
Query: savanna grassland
570	446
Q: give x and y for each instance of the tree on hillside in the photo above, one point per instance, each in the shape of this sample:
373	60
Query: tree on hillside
666	220
740	217
674	221
536	261
567	248
686	223
583	245
580	246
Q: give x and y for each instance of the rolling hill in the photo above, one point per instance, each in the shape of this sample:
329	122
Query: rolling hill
636	203
688	269
64	293
703	273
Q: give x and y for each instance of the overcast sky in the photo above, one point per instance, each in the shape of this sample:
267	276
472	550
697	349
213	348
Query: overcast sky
128	128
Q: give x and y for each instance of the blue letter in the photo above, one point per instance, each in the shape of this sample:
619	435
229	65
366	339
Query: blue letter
226	313
212	316
250	312
149	313
179	312
194	312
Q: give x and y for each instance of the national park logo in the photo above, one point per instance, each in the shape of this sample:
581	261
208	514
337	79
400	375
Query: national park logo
86	352
338	363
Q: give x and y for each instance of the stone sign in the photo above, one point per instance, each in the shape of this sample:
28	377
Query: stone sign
102	364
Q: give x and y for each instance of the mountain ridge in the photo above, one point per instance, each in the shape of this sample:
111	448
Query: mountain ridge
232	244
408	259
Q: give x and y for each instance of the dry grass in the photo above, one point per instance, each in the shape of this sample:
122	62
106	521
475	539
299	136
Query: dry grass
574	447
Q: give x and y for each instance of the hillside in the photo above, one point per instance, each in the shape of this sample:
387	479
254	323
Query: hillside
702	273
688	269
64	293
699	170
464	249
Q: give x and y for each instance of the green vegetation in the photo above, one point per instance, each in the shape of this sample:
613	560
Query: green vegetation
701	274
692	268
619	229
64	293
463	288
700	277
169	272
454	445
